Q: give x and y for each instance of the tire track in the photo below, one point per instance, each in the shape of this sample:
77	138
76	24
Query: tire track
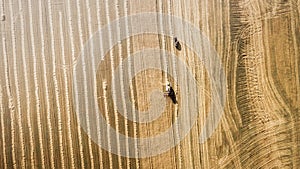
230	123
250	56
296	42
275	98
265	134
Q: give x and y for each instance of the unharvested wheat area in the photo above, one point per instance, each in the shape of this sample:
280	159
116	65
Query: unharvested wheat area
257	43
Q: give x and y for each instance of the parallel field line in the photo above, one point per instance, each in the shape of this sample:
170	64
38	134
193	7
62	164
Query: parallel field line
15	70
204	18
297	55
76	97
68	116
121	81
21	136
107	120
101	55
2	14
53	56
28	111
189	59
49	125
11	105
57	93
90	33
131	88
2	116
161	29
112	73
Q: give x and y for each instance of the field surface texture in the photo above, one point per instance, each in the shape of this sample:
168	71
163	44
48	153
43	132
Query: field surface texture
83	82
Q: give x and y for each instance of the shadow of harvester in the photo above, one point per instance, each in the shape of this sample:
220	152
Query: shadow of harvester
177	44
172	95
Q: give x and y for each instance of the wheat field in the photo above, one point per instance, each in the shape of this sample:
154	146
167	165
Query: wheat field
41	45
